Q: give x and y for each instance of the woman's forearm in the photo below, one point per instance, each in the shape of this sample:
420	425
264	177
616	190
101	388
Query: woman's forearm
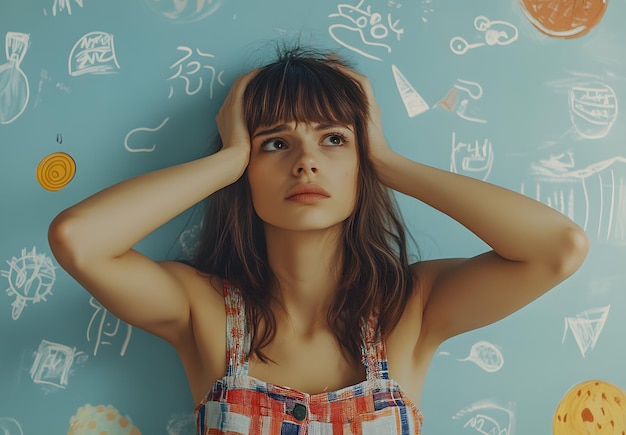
110	222
518	228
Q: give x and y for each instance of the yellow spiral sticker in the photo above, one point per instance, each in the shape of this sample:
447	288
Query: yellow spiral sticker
591	407
55	171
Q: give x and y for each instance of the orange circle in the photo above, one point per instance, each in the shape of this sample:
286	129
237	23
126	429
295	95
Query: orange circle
55	171
594	406
564	18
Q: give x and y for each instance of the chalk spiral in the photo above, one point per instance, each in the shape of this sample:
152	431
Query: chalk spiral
55	171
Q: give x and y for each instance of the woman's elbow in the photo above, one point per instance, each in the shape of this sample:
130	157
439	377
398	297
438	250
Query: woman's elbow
573	249
63	240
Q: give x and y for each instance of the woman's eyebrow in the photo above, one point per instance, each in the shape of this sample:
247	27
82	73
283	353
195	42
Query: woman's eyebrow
272	130
283	127
331	127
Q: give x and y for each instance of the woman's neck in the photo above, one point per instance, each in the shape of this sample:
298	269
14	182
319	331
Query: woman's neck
306	265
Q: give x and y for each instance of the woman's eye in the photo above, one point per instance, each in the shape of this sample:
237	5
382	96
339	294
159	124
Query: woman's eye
273	145
334	140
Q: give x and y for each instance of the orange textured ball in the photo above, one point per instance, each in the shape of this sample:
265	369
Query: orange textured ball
591	407
564	18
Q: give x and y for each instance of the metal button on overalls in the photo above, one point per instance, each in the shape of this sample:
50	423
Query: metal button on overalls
299	411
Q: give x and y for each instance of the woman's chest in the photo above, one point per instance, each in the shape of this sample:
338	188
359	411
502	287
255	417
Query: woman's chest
312	365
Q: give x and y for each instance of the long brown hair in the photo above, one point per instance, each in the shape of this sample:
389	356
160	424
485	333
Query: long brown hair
304	85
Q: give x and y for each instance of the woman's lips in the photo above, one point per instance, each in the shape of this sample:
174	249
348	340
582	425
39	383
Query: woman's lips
307	193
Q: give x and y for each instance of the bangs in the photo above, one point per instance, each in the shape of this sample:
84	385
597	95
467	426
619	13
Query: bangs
303	90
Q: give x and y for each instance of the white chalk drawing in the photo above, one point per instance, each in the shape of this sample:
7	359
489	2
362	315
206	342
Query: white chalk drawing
192	71
601	187
497	32
184	11
586	327
413	101
485	355
142	129
14	87
104	328
30	277
45	79
364	31
474	159
10	426
473	90
93	53
427	9
488	418
181	424
52	364
63	5
593	109
189	240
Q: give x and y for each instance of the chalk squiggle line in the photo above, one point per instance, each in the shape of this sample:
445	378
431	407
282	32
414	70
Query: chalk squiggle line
144	150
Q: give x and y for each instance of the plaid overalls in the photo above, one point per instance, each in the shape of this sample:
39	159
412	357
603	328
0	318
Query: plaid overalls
240	404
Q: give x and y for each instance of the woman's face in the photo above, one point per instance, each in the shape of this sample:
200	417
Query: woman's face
303	176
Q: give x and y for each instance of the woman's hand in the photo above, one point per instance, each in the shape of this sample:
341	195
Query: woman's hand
378	147
230	118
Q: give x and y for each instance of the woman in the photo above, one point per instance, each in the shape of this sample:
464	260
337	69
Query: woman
328	327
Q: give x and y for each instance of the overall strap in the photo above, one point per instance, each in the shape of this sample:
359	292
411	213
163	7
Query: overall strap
373	352
237	338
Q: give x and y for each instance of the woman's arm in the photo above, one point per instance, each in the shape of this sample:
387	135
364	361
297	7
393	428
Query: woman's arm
93	240
533	246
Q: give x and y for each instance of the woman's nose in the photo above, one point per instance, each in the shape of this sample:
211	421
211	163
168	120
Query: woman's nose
306	163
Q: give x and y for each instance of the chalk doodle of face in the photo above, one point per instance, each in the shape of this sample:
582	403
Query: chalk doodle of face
473	158
106	330
30	279
360	26
184	11
593	109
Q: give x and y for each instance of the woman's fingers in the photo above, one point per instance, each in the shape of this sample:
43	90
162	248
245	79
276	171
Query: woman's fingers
230	118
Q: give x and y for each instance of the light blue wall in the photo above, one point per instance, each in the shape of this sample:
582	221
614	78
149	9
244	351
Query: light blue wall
528	111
